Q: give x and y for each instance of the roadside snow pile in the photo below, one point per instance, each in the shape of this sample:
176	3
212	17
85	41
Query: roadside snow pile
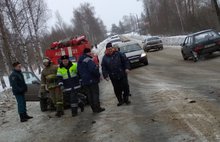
173	40
7	101
167	40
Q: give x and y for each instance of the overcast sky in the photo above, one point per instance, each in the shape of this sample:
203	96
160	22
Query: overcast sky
110	11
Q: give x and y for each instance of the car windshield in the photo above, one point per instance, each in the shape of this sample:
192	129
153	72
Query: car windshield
29	77
205	36
115	40
130	48
152	38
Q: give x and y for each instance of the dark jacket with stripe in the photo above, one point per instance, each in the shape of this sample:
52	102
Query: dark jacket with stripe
88	70
17	83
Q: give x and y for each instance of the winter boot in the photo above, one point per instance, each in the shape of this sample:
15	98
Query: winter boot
27	116
126	100
62	112
43	104
98	109
93	108
81	106
74	111
22	117
58	114
120	101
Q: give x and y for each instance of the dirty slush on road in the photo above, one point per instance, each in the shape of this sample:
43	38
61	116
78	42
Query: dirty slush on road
172	100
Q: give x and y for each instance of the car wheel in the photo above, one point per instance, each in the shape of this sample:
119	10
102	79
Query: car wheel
195	56
195	59
146	62
158	48
184	56
161	48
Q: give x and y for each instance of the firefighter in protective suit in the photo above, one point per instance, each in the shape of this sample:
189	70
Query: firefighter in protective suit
49	82
68	81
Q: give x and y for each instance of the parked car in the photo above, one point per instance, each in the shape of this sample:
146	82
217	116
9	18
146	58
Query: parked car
33	83
33	93
154	43
133	52
199	44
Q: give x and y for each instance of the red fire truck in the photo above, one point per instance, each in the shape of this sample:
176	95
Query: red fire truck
73	47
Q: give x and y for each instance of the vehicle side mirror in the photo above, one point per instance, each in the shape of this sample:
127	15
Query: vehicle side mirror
182	44
36	82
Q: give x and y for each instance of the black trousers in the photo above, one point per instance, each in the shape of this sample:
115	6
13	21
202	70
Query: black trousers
121	88
92	92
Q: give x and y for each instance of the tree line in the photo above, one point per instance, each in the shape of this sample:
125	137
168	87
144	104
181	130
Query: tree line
24	34
172	17
83	22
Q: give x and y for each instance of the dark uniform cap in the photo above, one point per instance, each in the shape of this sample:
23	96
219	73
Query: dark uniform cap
87	50
108	45
64	57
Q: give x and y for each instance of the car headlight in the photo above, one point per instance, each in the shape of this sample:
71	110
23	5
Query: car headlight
143	54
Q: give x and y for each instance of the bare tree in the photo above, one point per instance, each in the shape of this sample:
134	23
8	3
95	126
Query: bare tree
86	23
215	3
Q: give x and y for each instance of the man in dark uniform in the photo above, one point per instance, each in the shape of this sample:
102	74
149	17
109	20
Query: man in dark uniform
89	73
19	88
115	66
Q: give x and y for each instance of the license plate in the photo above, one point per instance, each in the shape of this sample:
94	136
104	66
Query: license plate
210	45
133	61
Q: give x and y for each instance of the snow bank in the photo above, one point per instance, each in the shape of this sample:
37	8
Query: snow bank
7	84
167	40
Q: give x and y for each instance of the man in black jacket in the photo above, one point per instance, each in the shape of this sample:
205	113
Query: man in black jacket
19	88
115	66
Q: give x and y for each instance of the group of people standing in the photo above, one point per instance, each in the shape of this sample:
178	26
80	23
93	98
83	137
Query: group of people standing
69	77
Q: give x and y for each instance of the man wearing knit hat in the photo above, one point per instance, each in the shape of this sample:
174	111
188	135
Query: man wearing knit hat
115	66
19	88
89	73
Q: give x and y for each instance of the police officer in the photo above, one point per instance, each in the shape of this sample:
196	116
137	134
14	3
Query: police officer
49	82
89	73
69	82
115	66
19	88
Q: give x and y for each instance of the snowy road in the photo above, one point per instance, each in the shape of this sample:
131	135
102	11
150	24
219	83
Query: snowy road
172	101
